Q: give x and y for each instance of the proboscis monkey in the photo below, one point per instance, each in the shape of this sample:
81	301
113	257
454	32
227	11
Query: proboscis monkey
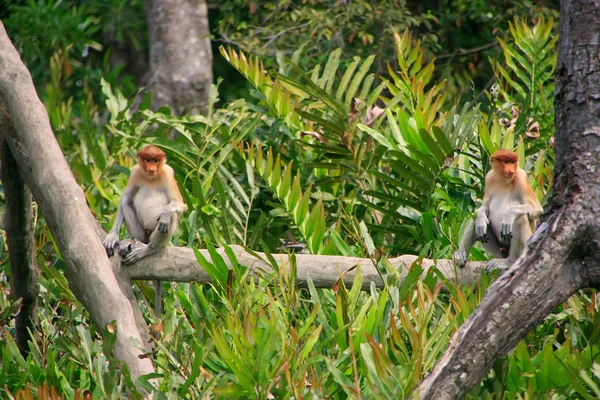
149	206
508	216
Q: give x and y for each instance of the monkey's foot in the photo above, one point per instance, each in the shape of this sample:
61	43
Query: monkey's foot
460	258
137	251
126	246
501	264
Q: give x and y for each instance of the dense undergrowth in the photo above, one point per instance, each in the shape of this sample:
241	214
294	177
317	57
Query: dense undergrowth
332	160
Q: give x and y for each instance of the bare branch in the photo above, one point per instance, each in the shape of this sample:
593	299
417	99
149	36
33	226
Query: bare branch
179	264
466	52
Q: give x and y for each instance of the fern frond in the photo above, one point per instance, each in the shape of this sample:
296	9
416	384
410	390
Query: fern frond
527	74
309	219
281	101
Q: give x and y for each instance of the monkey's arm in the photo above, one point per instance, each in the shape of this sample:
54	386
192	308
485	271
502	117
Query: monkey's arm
482	222
476	230
176	205
530	206
123	215
111	239
466	242
532	209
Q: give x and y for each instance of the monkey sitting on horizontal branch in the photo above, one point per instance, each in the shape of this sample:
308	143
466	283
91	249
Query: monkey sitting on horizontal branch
508	216
149	206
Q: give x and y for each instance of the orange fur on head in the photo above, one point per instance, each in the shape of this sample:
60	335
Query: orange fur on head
504	163
152	160
505	155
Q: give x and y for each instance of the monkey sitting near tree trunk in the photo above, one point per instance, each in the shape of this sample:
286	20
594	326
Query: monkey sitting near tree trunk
149	206
508	216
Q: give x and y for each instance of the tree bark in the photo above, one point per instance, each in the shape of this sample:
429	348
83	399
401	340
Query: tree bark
179	264
564	254
18	224
180	54
62	202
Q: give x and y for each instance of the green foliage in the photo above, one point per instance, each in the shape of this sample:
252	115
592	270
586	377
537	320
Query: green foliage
42	30
387	163
61	41
358	28
257	338
527	79
323	152
309	219
68	354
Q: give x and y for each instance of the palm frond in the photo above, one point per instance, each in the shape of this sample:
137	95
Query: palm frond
308	218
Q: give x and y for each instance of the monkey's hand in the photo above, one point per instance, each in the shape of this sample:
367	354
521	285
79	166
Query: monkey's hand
481	227
506	225
460	258
164	220
110	242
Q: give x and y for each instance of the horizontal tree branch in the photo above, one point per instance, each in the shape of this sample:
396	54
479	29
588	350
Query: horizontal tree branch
465	52
179	264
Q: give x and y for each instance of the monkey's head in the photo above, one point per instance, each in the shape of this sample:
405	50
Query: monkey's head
504	162
151	159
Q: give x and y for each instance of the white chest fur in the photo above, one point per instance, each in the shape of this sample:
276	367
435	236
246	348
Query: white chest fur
149	204
499	203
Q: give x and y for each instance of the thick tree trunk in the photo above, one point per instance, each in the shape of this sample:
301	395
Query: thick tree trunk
179	264
564	253
63	205
180	54
18	224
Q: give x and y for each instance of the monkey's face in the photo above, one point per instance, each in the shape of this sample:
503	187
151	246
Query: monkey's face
504	163
506	169
151	166
151	160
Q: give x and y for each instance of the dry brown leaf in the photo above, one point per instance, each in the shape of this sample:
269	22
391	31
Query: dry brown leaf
354	112
534	131
514	112
373	113
314	134
505	122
